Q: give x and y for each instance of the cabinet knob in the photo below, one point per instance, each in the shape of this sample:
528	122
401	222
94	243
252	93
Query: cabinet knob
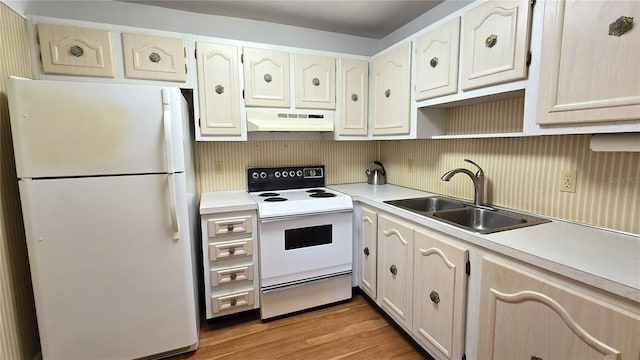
233	276
267	78
366	251
230	227
76	51
219	89
354	97
315	82
232	251
491	41
434	297
155	57
233	302
433	62
533	357
621	26
387	93
394	270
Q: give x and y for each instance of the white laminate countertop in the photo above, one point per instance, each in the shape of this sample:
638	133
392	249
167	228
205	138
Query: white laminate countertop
226	201
604	259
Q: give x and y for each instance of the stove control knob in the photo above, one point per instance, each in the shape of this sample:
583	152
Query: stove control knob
292	173
263	175
285	174
255	175
299	173
277	174
312	172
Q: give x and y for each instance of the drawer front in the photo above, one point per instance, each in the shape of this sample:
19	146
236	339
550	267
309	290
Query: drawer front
231	275
229	302
230	249
229	226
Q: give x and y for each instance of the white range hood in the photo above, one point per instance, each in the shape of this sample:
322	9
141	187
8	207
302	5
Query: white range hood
288	121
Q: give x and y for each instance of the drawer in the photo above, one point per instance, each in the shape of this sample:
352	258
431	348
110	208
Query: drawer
229	226
233	301
231	275
230	249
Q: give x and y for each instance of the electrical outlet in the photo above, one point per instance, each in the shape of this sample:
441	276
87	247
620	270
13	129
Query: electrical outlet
568	179
218	167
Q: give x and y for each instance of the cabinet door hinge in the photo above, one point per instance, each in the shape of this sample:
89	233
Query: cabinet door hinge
243	93
529	58
242	58
464	356
38	38
468	268
533	3
195	53
185	52
185	69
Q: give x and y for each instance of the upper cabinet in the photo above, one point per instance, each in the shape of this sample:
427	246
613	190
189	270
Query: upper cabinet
218	89
266	78
589	68
495	43
72	50
354	95
315	79
437	61
391	77
154	57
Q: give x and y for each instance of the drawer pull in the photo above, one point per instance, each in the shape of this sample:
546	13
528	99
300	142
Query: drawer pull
621	26
233	276
232	251
230	227
233	302
366	251
433	62
394	270
491	41
76	51
435	298
155	57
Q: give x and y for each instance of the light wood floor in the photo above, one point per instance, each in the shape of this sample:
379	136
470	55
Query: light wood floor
351	330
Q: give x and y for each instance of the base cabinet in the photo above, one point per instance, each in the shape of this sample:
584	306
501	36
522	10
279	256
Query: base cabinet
526	317
368	251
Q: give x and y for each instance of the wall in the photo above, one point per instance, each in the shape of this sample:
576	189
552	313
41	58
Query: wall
18	327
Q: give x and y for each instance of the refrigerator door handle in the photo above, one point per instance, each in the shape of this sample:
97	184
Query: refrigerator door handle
172	205
168	141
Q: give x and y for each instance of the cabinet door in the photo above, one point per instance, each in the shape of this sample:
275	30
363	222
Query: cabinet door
154	57
437	61
391	92
527	317
315	78
440	292
218	89
395	268
495	43
586	73
368	248
75	51
354	93
266	78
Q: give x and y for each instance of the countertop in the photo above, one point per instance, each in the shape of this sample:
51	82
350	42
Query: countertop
601	258
226	201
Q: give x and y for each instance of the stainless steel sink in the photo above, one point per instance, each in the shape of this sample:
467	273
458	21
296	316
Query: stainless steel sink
483	220
427	204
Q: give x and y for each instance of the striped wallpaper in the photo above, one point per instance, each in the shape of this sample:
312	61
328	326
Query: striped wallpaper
502	116
18	327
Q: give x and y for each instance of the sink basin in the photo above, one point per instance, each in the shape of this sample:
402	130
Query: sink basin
427	204
486	221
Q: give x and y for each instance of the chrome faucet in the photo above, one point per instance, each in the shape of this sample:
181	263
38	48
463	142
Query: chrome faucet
477	178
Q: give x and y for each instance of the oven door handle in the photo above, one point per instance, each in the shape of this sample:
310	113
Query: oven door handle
289	217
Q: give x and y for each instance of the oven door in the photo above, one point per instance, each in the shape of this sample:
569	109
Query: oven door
297	249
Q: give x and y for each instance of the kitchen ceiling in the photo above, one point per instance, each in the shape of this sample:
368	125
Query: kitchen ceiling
373	19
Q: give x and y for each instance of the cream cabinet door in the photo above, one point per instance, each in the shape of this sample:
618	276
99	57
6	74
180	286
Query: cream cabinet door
266	78
368	249
315	79
589	71
75	51
218	89
354	95
154	57
395	268
391	75
495	43
437	61
439	295
526	317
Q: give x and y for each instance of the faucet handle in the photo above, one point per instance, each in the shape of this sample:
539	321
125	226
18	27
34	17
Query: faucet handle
480	172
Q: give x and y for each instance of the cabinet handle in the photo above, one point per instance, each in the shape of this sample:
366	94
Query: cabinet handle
315	82
267	78
434	62
535	358
387	93
230	227
233	302
491	41
366	251
621	26
233	276
394	270
354	97
155	57
434	297
76	51
232	251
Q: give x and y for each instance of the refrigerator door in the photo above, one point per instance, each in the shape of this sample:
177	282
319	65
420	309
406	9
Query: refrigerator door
64	129
109	280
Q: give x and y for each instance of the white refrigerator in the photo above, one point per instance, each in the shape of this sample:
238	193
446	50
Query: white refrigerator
105	201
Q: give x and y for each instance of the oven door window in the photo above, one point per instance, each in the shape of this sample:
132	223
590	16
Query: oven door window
308	236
